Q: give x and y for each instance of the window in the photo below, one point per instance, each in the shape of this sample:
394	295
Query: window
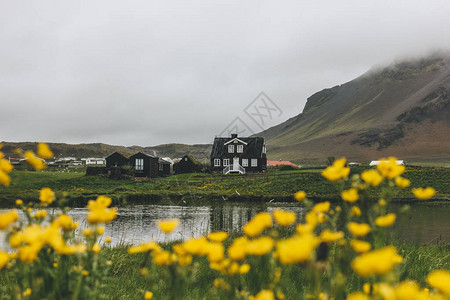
161	168
245	162
216	162
226	162
240	148
230	148
254	162
139	164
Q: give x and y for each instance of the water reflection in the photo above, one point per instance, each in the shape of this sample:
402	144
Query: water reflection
137	224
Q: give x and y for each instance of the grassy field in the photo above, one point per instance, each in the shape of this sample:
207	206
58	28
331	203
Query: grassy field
193	188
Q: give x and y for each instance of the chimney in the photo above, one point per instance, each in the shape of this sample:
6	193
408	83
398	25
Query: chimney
234	135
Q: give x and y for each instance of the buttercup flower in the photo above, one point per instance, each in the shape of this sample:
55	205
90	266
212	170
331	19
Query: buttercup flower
36	162
355	211
389	168
167	226
350	195
440	280
372	177
43	151
336	171
360	246
424	193
284	218
358	230
264	295
218	236
148	295
402	182
300	196
376	262
259	246
4	259
328	236
321	207
46	196
7	218
357	296
296	249
386	221
99	211
257	225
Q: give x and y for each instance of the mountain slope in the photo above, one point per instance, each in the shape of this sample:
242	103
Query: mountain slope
402	110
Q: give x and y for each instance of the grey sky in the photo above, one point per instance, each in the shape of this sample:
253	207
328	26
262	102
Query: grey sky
153	72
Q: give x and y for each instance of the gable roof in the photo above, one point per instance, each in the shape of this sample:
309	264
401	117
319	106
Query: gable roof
119	153
254	146
235	140
145	154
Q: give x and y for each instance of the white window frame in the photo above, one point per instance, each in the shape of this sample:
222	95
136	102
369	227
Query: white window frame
139	164
230	148
161	168
217	162
254	162
226	162
245	162
240	148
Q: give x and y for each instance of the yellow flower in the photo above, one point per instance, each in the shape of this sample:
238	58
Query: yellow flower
264	295
26	293
321	207
296	249
424	193
28	254
256	226
357	296
40	214
96	248
98	211
4	259
382	202
336	171
386	221
355	211
108	239
5	165
402	182
328	236
85	273
65	222
162	258
407	290
152	245
218	236
237	251
43	150
300	196
372	177
360	246
244	268
46	195
100	230
167	226
376	262
350	195
19	202
7	218
304	228
36	162
259	246
284	218
4	178
87	232
197	246
358	230
148	295
440	280
389	168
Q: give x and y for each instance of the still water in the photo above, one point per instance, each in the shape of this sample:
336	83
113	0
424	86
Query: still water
137	224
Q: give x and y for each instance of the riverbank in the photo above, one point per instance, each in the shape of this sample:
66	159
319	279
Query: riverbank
198	188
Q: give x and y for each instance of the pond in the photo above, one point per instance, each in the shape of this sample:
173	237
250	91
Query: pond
137	224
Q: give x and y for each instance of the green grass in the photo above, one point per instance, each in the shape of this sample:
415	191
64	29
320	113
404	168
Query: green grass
197	187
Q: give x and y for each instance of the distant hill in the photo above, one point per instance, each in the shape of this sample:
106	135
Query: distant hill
402	110
200	152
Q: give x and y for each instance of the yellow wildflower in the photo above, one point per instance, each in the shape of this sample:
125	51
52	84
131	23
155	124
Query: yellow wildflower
328	236
336	171
4	178
196	246
402	182
96	248
43	151
244	268
304	228
264	295
36	162
100	230
87	232
16	239
300	196
46	196
257	225
28	254
407	290
358	230
260	246
108	239
167	226
162	258
152	245
296	249
376	262
389	168
26	293
148	295
386	221
236	251
355	211
311	218
5	165
350	195
218	236
65	222
19	202
372	177
382	202
357	296
424	193
40	214
284	218
98	211
321	207
360	246
7	218
440	280
85	273
4	259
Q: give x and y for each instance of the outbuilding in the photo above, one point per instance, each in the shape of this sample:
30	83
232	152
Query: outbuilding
144	165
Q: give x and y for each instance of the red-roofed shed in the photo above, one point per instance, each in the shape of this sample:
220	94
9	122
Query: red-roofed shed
274	163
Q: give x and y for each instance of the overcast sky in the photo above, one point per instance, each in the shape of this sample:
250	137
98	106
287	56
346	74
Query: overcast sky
155	72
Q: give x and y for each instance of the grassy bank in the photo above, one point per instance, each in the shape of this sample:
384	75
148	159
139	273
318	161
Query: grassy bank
194	188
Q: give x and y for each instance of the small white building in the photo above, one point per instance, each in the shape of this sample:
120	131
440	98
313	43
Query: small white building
377	162
95	161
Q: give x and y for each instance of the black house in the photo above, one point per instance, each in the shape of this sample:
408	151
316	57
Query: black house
117	159
144	165
187	164
163	167
238	155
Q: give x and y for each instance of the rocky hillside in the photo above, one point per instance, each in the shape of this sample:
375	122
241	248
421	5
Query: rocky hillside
401	110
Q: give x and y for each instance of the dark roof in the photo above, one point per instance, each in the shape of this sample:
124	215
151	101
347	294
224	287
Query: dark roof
254	147
120	153
191	158
145	154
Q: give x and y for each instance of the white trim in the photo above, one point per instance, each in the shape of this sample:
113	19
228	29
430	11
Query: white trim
241	147
226	162
245	162
237	140
230	148
254	162
139	164
217	162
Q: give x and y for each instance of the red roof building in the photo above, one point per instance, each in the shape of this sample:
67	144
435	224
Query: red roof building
274	163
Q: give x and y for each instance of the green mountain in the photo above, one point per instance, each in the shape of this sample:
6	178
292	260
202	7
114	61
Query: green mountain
401	110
